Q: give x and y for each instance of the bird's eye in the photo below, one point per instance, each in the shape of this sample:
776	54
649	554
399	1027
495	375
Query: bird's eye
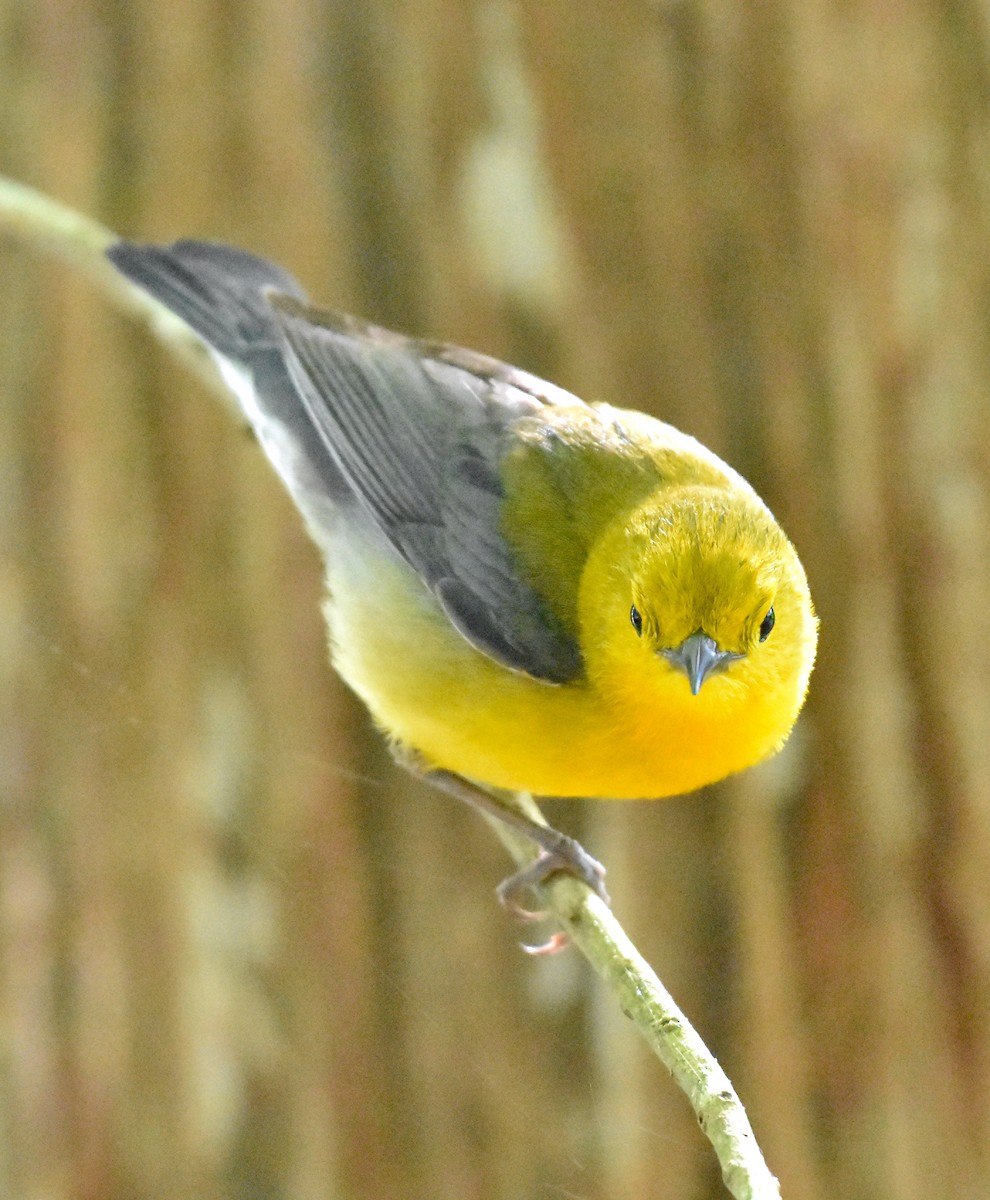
637	620
767	625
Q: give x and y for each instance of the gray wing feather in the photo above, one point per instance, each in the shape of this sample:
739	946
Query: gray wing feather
411	432
420	438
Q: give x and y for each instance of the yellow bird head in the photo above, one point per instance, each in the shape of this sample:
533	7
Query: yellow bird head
699	600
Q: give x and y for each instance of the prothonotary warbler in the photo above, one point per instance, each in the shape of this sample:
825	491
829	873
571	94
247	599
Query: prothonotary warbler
527	591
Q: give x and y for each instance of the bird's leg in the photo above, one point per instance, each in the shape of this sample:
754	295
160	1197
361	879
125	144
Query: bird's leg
557	851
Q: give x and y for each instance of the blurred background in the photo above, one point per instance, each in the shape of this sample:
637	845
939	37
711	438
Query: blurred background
241	956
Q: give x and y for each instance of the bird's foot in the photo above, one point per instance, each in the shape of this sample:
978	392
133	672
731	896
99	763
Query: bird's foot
558	852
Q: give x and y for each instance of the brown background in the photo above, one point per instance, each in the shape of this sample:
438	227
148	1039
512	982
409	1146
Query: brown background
240	956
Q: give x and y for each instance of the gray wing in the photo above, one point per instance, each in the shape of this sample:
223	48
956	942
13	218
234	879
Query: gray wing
419	431
351	414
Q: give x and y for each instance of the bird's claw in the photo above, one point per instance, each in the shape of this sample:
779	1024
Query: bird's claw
553	945
568	856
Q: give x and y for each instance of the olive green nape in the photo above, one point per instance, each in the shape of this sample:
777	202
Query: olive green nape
582	470
551	471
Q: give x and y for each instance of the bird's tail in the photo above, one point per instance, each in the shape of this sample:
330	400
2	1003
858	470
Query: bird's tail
219	292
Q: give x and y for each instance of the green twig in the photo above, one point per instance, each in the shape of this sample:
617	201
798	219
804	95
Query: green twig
41	222
597	933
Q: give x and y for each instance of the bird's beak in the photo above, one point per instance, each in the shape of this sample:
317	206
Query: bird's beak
698	656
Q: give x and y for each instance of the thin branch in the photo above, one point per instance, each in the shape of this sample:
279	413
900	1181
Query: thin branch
41	222
596	932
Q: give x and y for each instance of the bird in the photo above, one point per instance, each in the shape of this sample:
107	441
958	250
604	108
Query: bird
527	591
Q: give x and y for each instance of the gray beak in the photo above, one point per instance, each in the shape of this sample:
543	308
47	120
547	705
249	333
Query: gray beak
698	656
